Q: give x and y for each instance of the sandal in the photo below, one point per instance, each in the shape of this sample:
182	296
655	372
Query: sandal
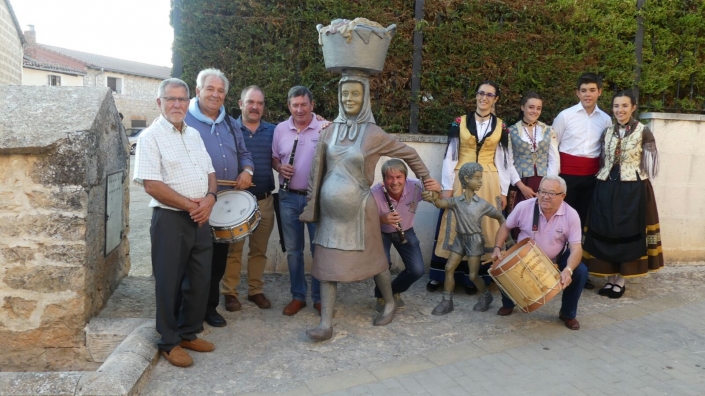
605	291
617	293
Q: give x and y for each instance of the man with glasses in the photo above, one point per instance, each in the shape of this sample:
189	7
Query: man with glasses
559	237
174	167
231	160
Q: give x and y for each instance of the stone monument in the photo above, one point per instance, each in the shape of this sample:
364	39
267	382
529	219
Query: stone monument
64	172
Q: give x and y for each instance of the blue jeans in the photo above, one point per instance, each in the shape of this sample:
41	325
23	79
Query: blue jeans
571	294
291	206
410	253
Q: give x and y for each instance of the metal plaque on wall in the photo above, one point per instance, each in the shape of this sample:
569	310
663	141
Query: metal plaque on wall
113	211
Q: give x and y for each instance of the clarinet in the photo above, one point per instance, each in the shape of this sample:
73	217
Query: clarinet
285	186
400	232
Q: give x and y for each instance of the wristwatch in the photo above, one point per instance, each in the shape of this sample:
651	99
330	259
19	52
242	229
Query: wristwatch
250	172
215	196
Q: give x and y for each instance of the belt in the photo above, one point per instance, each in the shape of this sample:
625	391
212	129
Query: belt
262	196
300	192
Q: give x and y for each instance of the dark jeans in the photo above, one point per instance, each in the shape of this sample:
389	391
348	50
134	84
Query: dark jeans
181	263
410	253
579	194
571	294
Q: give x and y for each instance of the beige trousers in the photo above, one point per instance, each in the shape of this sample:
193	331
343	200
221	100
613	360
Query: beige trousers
257	257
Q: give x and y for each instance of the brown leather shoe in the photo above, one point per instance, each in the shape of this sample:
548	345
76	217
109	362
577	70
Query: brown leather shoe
572	324
260	300
178	357
198	345
294	307
232	304
504	311
317	306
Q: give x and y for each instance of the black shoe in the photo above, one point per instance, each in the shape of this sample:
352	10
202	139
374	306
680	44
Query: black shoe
605	291
432	287
471	290
617	294
589	285
215	319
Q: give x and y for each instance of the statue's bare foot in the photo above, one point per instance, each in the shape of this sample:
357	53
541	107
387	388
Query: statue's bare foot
444	307
385	317
320	334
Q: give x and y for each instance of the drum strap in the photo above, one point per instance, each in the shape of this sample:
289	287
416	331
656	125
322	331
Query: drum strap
232	132
535	224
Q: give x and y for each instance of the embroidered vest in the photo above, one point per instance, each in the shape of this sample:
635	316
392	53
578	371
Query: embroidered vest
467	148
630	157
524	159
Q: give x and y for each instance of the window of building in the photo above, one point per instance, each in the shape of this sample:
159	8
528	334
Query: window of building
54	81
115	84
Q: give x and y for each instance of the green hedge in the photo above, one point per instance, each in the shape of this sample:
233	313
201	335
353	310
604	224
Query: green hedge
524	45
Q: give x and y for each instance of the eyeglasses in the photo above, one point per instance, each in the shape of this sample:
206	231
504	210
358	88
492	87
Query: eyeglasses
171	99
550	194
483	93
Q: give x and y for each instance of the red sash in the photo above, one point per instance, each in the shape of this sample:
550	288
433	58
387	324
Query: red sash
579	166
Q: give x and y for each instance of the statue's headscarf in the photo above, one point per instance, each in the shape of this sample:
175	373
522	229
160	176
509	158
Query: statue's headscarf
352	127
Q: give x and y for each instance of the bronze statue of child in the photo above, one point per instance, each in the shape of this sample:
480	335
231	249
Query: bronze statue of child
468	210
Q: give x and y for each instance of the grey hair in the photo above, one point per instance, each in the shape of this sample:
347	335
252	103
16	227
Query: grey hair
297	91
205	73
171	81
394	164
555	178
468	170
247	89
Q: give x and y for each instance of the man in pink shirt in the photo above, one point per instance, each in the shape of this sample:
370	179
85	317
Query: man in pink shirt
301	129
404	195
558	235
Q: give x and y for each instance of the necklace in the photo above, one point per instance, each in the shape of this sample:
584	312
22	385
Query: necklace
482	116
532	140
529	124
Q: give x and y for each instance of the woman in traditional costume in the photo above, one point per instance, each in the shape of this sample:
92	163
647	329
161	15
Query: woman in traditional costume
348	246
478	137
623	237
535	151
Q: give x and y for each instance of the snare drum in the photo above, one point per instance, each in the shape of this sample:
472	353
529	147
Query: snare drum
527	276
234	216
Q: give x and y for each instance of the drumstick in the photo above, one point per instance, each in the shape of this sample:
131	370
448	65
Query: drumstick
230	183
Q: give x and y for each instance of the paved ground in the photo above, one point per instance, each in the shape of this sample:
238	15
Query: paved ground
651	341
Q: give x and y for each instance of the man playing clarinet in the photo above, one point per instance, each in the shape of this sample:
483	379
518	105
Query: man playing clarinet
397	198
293	146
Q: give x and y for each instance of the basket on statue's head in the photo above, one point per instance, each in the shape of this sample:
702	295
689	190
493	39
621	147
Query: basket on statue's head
358	44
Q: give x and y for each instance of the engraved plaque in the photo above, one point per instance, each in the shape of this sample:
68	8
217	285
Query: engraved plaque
113	211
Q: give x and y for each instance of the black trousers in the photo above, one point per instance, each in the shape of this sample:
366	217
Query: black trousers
181	262
220	259
579	194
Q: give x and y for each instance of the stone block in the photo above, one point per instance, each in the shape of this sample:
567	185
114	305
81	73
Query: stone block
64	253
339	381
55	225
42	337
104	335
16	254
26	359
72	198
69	359
48	279
69	313
401	367
17	307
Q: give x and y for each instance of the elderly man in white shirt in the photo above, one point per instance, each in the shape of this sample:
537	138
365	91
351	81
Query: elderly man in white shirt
174	167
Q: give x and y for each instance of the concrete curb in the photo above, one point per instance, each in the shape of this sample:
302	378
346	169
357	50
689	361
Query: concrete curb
124	373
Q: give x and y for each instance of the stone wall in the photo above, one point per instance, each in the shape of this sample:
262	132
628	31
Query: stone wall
10	48
138	100
680	187
57	146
